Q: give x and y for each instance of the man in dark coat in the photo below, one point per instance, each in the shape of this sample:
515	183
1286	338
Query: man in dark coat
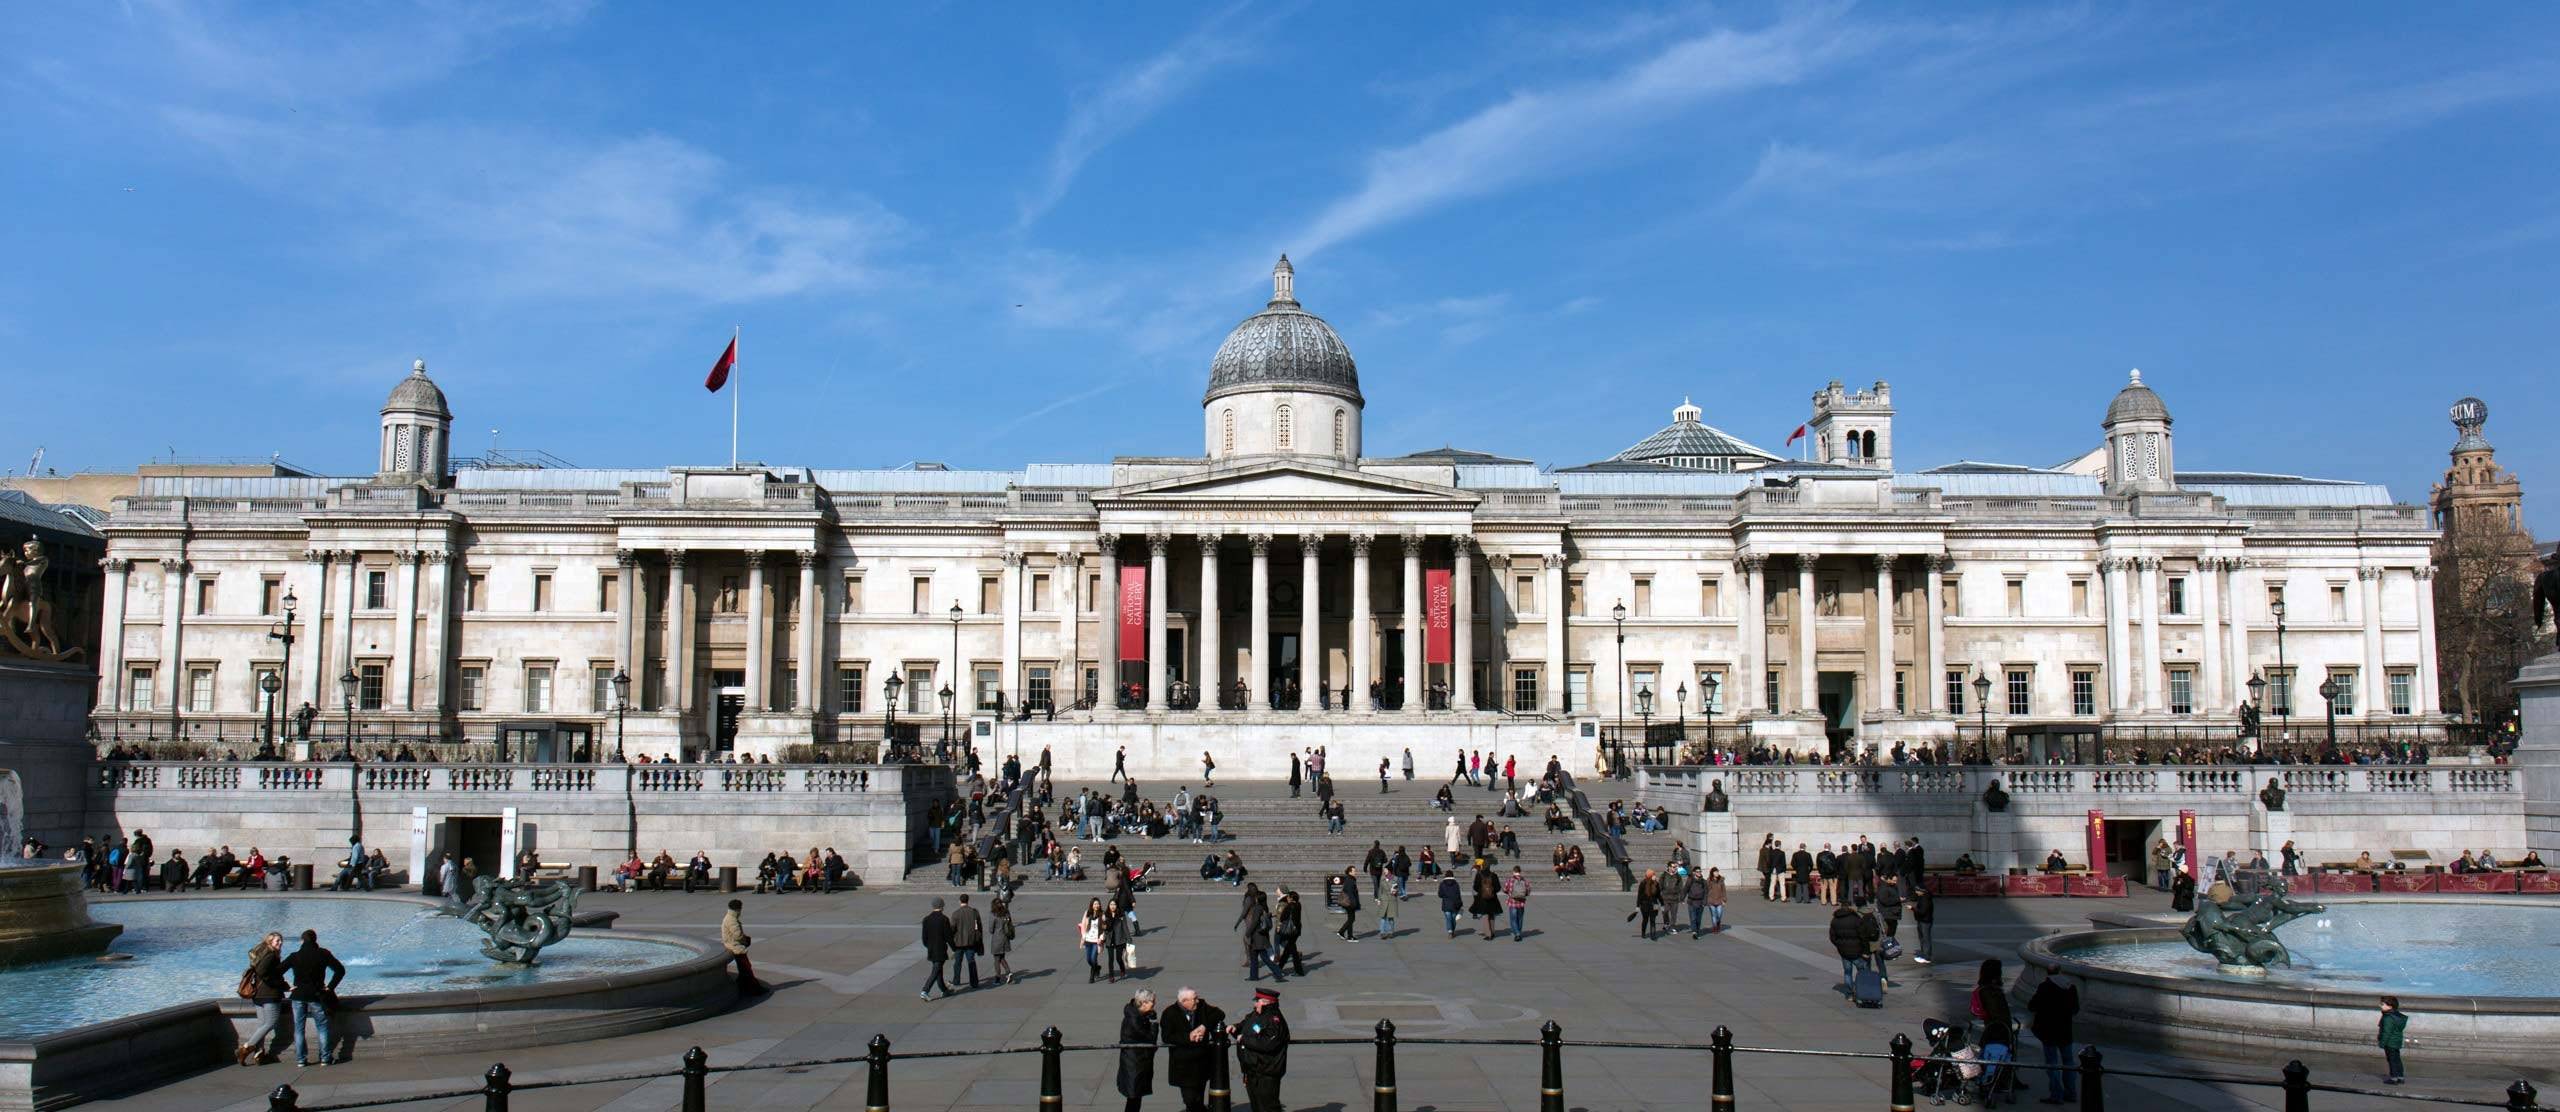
2050	1011
968	936
1802	865
1293	776
1343	892
937	949
1262	1049
1189	1030
316	973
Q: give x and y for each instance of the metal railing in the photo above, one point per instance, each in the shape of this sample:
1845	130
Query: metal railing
1904	1075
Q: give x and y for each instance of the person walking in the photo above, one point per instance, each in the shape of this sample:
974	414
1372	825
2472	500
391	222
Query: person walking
1137	1048
1848	941
1262	1049
937	950
266	990
1694	894
1487	901
1998	1032
1293	776
1515	900
1000	939
733	938
1453	904
1089	932
1648	904
2392	1033
1119	764
1924	912
1374	863
1345	895
968	937
1715	901
1408	764
1889	907
1119	941
1192	1050
2050	1011
316	973
1256	919
448	881
1453	839
1400	869
1287	923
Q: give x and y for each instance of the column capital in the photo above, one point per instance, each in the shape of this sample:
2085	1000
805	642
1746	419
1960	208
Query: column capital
1360	543
1412	542
2424	572
1936	562
1260	543
676	558
315	555
1158	542
1459	544
174	565
115	565
435	556
1751	563
2369	571
2111	565
1209	540
1884	562
808	558
1012	557
1067	557
624	557
1498	561
2146	563
1310	545
755	558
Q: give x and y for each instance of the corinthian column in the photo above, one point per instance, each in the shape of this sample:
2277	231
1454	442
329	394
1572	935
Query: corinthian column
759	635
1310	622
1156	543
812	636
1360	699
111	639
1752	662
1212	634
1261	624
1880	695
678	695
1417	693
1462	623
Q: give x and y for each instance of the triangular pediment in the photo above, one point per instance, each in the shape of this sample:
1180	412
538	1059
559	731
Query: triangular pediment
1279	481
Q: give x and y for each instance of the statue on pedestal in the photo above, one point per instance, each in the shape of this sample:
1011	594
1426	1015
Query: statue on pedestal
520	916
2546	596
1717	803
2241	934
1994	799
2272	795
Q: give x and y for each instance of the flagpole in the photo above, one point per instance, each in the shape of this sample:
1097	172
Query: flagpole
737	372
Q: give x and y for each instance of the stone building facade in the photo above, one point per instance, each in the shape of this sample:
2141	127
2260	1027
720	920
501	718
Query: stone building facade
1833	602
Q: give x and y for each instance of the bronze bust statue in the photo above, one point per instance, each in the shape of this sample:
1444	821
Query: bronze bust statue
2272	795
1717	804
1994	799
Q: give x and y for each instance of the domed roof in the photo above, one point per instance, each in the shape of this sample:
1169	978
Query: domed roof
2136	402
1283	347
418	394
1686	438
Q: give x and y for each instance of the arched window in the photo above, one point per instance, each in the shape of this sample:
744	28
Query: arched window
1227	435
1868	449
1849	447
1282	436
1341	433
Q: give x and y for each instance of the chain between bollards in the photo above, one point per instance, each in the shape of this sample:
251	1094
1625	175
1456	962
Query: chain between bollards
1053	1090
2093	1081
1221	1096
1551	1068
1386	1098
875	1097
284	1099
2297	1086
1721	1046
697	1067
1899	1089
2520	1096
494	1088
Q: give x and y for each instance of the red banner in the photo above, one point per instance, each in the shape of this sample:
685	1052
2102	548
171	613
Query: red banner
1965	884
2187	841
2093	885
1133	612
2342	883
2097	840
2035	884
1435	609
2538	882
2408	882
2475	882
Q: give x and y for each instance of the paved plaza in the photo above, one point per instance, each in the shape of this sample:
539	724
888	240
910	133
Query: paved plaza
846	967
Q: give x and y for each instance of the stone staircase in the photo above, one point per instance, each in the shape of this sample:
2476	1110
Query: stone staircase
1283	841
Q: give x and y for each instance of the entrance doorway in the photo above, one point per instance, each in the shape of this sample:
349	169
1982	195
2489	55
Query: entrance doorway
477	840
729	698
1390	669
2129	847
1836	693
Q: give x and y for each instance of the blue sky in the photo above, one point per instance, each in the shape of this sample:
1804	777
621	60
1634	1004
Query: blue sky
992	235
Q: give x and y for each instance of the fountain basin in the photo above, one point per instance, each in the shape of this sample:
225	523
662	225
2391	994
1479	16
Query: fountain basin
416	984
2471	974
44	914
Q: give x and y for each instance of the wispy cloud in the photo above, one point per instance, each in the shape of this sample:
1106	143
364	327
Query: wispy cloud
1543	133
1119	105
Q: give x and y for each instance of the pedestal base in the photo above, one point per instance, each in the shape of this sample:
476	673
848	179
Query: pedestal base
2269	831
2538	753
1995	840
1719	843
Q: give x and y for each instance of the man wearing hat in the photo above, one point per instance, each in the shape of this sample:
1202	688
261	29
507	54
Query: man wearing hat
1262	1048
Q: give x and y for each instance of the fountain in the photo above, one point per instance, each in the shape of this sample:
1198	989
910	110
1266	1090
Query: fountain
520	916
44	907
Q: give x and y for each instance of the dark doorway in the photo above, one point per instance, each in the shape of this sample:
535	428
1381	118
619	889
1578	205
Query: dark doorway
474	840
2129	847
1390	669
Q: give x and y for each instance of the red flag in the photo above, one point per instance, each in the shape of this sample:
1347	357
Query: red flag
720	371
1791	437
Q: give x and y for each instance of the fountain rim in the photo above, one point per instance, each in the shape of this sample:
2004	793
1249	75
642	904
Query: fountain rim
2050	952
707	956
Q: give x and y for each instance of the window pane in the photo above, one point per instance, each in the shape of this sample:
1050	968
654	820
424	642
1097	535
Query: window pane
2182	691
2400	697
1955	691
2020	691
849	690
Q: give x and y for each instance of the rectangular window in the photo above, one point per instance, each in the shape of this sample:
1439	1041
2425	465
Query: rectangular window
853	594
600	688
1577	691
1901	692
377	590
1644	596
2080	597
2021	690
1092	685
2280	691
1092	592
1524	690
541	594
537	689
1955	690
138	690
2017	598
849	689
2178	595
920	596
2182	691
990	684
1643	690
475	591
200	690
609	592
474	688
1951	596
271	596
2084	691
1574	602
2337	602
1040	594
2345	702
1038	691
1710	597
990	595
204	596
1524	594
2401	685
1771	694
919	690
369	686
787	695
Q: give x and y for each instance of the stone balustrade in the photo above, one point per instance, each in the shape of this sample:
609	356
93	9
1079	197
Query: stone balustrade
1679	787
569	779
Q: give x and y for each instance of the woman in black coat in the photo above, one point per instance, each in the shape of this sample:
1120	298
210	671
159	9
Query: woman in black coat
1138	1047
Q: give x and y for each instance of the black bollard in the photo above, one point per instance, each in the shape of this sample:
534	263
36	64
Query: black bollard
1221	1082
2520	1097
1053	1090
495	1086
1386	1098
2297	1086
1900	1091
875	1098
697	1067
284	1099
1551	1068
1721	1045
2093	1081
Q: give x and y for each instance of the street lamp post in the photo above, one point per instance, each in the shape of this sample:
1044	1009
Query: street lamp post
1618	754
1681	699
889	728
630	798
1644	718
347	752
621	708
1707	702
1982	705
285	634
269	685
947	739
2258	703
947	706
2284	706
2329	703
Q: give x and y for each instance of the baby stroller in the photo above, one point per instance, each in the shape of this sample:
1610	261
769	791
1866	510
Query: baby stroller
1942	1081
